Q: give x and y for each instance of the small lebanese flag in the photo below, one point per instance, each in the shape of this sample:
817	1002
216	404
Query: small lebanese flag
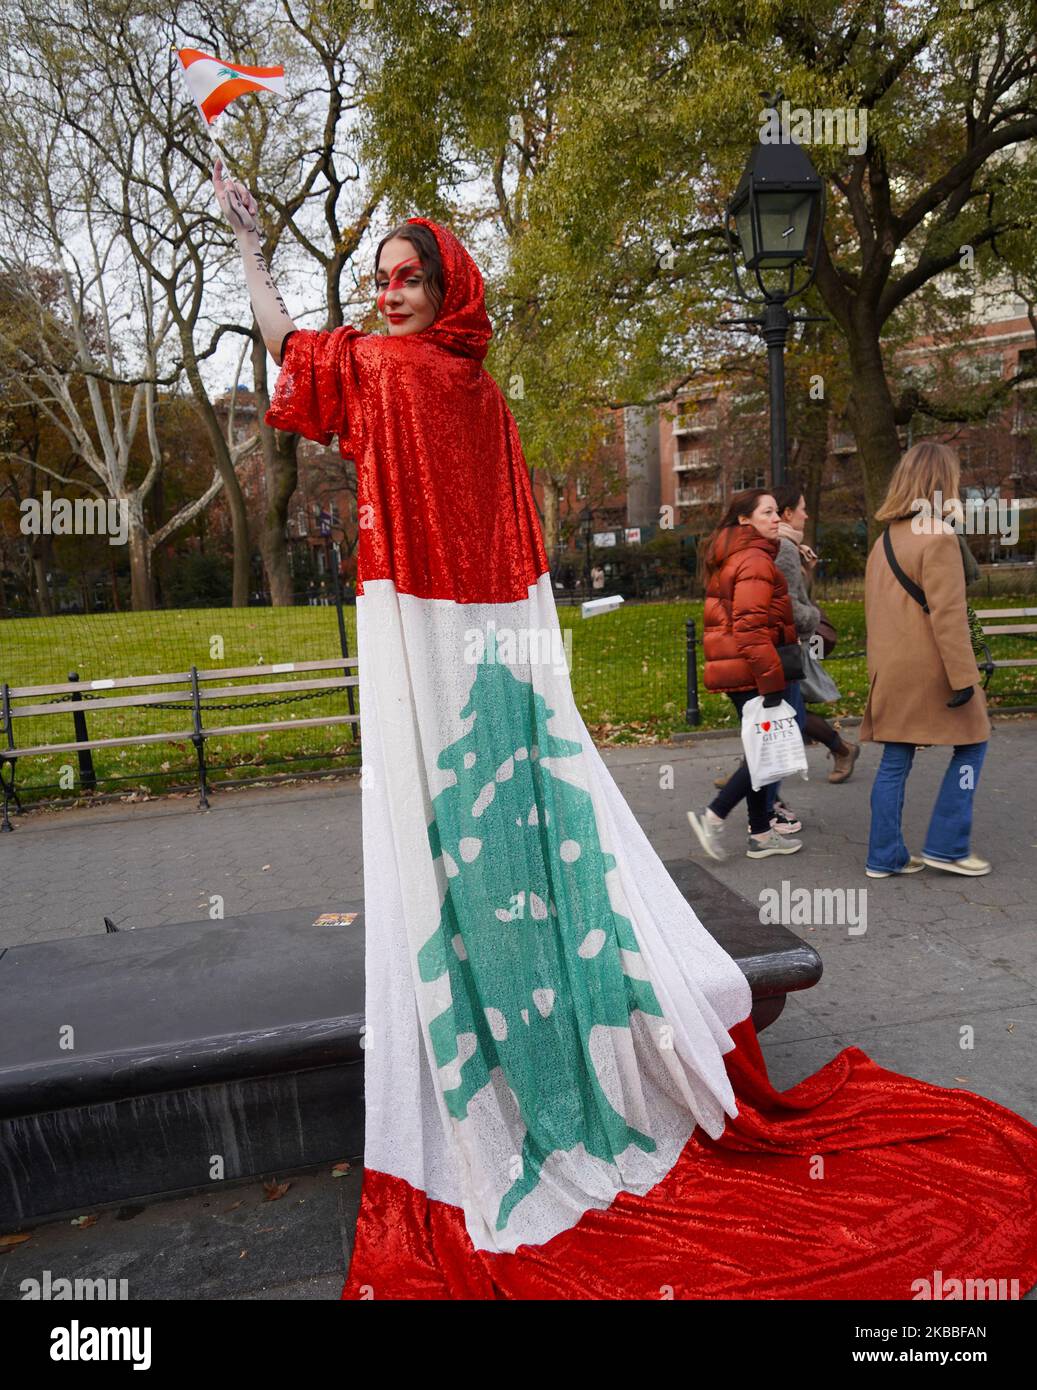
214	84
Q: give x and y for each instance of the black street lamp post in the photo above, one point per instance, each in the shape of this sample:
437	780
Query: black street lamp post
587	517
778	204
332	562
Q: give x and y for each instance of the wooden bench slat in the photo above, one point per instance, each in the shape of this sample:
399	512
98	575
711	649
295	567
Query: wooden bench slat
1029	628
185	735
94	743
169	697
284	724
276	667
110	702
175	678
330	683
1006	612
1018	661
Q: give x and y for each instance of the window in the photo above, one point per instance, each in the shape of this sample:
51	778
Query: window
981	367
748	403
694	459
698	494
695	415
744	478
1024	417
975	455
920	373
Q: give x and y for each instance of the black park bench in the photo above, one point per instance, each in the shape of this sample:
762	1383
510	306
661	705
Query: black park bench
161	1061
1016	628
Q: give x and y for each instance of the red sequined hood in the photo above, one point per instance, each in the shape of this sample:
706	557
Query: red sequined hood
444	500
462	325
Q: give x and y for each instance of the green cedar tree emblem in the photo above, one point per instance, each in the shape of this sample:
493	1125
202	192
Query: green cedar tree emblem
526	934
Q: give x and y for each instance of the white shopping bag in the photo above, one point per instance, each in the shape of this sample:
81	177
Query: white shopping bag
772	742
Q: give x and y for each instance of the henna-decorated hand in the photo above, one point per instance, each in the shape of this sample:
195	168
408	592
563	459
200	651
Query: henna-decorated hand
236	202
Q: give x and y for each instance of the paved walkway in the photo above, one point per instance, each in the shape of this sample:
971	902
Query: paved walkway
943	961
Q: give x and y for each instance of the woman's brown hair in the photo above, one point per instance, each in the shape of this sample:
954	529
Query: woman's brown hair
427	247
741	504
787	495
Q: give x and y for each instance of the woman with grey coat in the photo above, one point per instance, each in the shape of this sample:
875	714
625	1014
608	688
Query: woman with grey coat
791	558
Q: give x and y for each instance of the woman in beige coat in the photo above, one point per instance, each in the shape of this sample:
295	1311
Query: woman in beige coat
923	679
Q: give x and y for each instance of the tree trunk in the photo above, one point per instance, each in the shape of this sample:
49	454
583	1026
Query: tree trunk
810	465
812	491
113	578
871	414
40	566
141	590
231	487
281	475
552	492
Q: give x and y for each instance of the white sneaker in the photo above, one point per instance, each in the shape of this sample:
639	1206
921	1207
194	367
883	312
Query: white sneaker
911	867
971	865
763	846
709	834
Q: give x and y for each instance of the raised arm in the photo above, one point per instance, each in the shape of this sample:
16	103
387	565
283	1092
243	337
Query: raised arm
242	212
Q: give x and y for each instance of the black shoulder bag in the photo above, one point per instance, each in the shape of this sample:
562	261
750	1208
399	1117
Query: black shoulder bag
979	647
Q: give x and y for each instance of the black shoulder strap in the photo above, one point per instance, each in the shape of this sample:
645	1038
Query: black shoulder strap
917	593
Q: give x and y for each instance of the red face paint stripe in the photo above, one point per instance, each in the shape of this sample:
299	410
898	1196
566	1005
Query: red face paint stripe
397	276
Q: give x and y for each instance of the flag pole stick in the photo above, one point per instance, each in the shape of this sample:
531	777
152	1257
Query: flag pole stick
221	152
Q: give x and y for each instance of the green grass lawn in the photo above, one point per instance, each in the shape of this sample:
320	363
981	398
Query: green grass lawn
628	673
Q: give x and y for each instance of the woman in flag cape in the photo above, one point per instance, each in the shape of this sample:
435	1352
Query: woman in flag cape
565	1097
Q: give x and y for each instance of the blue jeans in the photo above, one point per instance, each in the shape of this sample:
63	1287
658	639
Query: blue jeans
950	826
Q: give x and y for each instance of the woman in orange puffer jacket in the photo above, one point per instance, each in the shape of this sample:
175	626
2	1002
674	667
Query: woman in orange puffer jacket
748	615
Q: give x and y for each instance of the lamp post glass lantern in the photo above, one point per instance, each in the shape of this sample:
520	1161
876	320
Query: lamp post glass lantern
774	210
777	209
